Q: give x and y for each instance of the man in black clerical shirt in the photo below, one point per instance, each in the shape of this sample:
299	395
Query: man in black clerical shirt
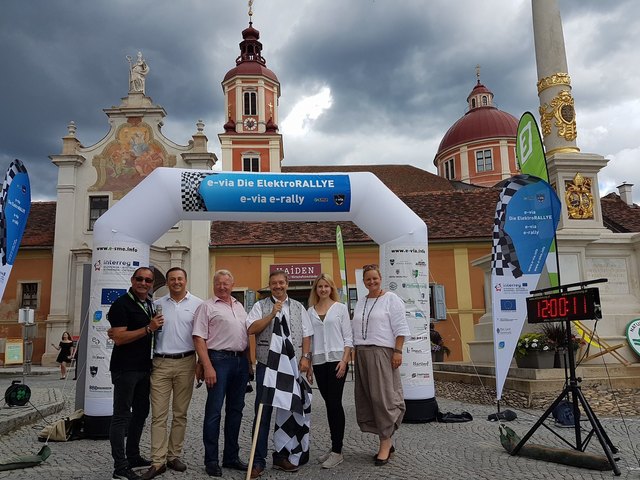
132	322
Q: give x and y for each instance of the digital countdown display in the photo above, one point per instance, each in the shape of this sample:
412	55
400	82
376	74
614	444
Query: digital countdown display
558	307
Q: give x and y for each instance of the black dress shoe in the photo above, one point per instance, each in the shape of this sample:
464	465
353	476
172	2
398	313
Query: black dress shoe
380	462
136	462
237	464
213	470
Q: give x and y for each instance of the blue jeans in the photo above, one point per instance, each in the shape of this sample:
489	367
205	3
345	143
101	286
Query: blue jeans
130	410
260	456
232	375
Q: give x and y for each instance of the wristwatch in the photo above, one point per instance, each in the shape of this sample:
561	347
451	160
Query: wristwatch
307	355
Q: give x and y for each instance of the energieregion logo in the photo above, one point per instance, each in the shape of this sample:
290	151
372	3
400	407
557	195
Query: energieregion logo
633	335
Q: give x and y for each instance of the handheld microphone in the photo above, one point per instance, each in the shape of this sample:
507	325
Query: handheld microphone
159	312
279	313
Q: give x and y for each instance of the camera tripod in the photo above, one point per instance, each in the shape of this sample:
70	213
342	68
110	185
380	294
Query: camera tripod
578	399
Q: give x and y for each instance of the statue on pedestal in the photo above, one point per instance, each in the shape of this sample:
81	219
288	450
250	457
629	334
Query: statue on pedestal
137	72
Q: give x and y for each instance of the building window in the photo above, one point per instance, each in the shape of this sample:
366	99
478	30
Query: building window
250	103
29	295
473	103
437	304
250	164
353	299
239	296
97	206
484	101
450	169
484	162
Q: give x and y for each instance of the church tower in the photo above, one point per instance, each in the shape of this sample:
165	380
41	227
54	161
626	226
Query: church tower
480	148
251	142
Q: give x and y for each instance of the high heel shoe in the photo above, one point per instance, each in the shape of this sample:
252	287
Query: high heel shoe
379	462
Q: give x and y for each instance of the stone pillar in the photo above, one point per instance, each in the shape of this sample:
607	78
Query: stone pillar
80	257
574	175
199	231
557	114
587	250
59	311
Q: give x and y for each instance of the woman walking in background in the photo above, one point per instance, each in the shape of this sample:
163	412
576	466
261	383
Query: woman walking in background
379	329
64	357
332	344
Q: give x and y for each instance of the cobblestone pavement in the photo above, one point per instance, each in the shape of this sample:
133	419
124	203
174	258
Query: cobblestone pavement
452	451
604	401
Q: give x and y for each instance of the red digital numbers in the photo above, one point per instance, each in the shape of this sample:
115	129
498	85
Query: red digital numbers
578	305
560	307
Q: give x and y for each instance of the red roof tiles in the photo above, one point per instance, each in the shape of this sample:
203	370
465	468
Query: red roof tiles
618	216
41	225
400	179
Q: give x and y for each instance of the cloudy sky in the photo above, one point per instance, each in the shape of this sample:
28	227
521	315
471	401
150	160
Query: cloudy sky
363	81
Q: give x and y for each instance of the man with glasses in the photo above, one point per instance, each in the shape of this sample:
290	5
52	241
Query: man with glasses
133	323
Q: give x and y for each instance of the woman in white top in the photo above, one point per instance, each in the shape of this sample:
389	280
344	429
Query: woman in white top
332	343
379	329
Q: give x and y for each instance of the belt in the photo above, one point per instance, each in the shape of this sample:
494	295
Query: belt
229	353
174	355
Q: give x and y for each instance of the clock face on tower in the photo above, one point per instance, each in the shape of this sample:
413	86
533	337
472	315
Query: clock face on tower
250	123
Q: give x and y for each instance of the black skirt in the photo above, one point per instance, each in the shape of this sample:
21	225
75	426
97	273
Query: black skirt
65	352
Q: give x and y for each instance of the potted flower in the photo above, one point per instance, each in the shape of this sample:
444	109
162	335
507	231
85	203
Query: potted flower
438	348
533	350
439	351
557	336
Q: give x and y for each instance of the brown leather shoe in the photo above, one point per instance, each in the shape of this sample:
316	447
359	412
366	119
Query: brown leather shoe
256	471
177	465
154	472
285	465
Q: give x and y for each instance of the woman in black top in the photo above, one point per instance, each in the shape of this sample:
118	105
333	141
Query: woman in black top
64	357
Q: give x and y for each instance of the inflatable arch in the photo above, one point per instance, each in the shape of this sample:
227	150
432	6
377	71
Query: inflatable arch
123	235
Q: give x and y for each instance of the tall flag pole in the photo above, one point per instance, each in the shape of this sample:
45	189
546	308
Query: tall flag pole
527	215
15	205
342	262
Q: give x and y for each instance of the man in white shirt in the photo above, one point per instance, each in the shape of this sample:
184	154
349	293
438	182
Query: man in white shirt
174	370
260	323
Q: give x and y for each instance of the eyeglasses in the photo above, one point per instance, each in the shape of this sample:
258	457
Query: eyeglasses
371	266
143	279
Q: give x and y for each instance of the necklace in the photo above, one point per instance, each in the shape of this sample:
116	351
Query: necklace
365	324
